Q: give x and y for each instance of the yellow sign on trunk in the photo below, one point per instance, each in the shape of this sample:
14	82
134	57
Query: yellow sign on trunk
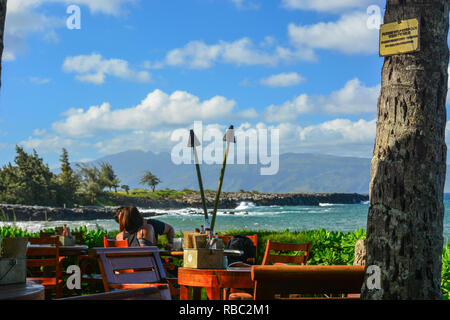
397	38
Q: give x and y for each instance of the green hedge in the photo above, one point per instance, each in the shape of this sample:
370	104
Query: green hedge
327	247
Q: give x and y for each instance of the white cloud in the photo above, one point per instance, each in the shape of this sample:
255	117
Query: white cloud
39	132
354	98
348	35
196	54
8	55
283	80
341	137
26	17
157	109
52	143
39	81
246	4
110	7
327	5
94	69
242	52
448	91
144	140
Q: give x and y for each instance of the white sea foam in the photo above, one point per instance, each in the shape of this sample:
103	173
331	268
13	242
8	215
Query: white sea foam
245	205
173	212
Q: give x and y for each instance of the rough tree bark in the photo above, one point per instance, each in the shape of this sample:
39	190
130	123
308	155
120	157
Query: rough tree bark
2	28
405	222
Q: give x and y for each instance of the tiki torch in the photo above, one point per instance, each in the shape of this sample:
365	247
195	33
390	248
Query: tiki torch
194	143
228	138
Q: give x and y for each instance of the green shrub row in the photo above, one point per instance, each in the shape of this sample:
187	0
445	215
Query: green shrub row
327	247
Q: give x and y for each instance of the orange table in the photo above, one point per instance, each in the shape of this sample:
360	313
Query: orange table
214	280
171	253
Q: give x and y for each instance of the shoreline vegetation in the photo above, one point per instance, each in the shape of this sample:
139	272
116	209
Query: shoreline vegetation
30	191
168	200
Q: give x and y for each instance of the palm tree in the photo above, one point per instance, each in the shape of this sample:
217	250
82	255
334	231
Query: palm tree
126	188
150	179
108	176
405	222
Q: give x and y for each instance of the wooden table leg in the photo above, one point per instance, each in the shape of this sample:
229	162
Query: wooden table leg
184	293
196	293
213	293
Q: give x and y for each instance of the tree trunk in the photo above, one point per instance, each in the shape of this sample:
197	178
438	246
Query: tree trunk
405	222
2	28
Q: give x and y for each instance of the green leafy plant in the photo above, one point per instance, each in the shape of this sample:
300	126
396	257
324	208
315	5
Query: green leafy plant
327	247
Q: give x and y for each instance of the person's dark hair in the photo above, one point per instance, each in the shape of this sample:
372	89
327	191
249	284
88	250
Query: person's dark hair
117	214
131	220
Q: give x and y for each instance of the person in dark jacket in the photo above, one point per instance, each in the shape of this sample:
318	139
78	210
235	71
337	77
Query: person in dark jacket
140	232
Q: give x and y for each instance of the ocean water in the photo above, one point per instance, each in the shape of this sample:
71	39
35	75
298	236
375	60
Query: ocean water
336	217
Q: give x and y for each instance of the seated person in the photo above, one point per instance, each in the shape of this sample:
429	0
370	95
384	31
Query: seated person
140	232
161	228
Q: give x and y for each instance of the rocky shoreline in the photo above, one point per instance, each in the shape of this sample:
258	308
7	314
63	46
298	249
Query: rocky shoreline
229	200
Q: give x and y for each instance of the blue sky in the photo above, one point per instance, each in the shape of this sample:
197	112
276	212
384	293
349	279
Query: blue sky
138	70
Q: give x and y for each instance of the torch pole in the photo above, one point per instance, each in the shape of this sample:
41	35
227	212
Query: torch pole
200	183
222	173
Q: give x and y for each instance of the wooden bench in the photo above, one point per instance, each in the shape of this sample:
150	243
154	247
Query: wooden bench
150	293
132	268
272	281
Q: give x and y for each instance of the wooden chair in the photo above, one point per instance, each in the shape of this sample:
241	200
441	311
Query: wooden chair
150	293
44	234
78	237
110	243
144	263
254	238
225	239
281	248
271	282
45	264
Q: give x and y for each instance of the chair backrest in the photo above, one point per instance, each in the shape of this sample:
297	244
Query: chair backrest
45	254
44	234
313	280
113	243
116	263
282	248
254	238
226	238
78	237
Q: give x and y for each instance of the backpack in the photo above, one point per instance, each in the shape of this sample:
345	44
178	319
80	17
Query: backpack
243	243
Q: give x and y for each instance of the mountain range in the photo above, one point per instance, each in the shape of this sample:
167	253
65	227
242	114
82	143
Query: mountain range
298	172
